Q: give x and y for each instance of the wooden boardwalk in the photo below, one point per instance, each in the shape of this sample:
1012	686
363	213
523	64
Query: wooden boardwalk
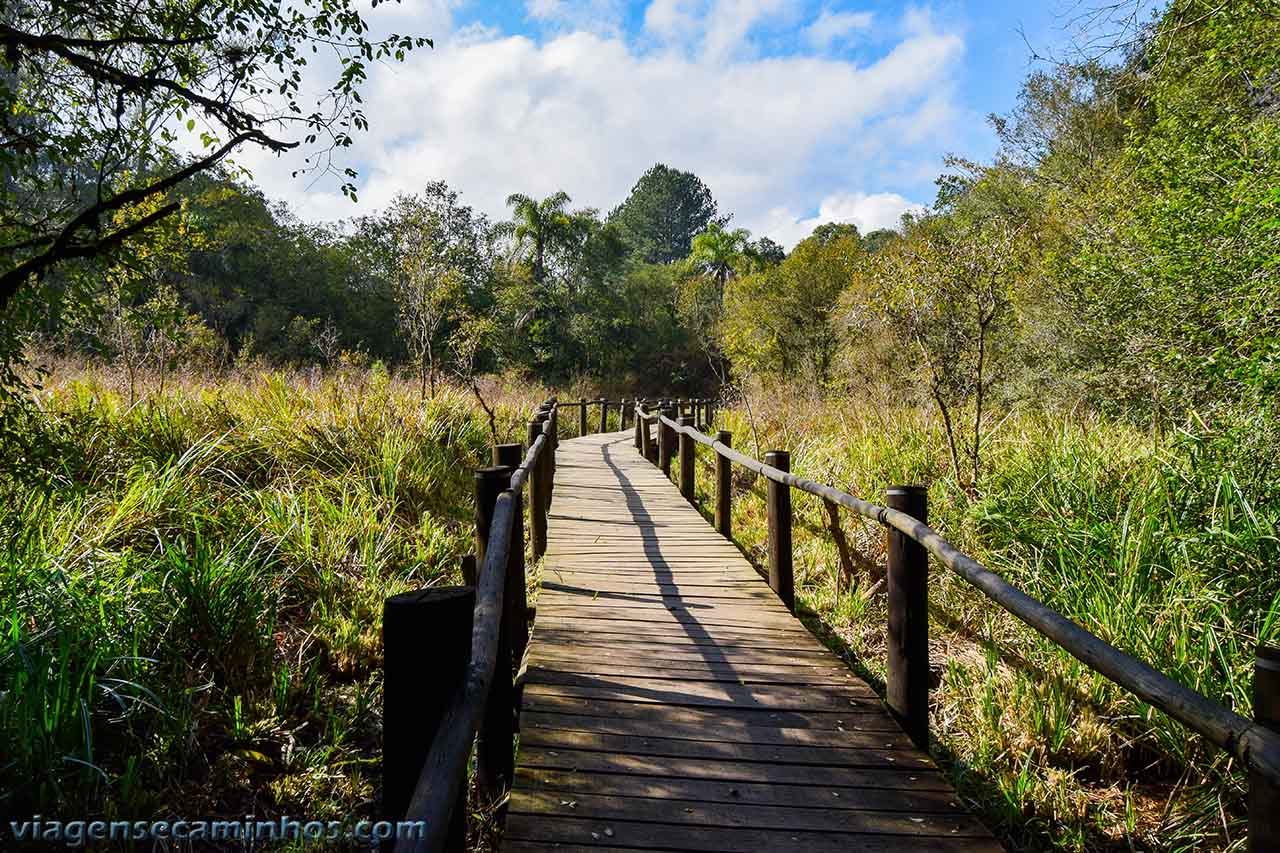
672	702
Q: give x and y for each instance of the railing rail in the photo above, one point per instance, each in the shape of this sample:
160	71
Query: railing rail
1254	743
438	799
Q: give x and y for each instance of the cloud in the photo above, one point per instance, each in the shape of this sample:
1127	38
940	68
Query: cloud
868	211
831	26
603	17
588	112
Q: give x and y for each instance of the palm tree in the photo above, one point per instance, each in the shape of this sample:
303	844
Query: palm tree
718	253
544	223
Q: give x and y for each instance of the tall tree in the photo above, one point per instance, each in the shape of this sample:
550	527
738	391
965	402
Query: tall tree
718	253
663	213
540	227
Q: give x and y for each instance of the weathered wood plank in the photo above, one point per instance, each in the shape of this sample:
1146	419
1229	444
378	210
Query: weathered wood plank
815	816
661	836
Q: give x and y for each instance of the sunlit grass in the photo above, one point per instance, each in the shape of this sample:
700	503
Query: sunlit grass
190	618
1164	545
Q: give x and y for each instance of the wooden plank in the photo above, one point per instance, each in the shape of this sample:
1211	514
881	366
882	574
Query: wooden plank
635	835
733	771
718	716
548	668
630	744
860	731
938	800
815	817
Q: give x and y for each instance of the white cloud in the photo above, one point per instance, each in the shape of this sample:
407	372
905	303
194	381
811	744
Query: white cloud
603	17
589	112
868	211
731	20
671	19
831	26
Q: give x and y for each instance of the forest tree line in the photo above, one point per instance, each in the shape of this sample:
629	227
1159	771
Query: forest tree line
1120	251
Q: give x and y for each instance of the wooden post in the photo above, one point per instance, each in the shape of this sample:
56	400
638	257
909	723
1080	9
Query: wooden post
638	426
1264	797
907	593
646	438
653	433
490	482
624	412
686	462
417	689
537	499
724	488
582	416
604	414
667	440
781	569
515	602
711	414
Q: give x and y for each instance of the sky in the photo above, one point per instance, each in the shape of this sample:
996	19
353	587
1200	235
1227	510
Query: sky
793	113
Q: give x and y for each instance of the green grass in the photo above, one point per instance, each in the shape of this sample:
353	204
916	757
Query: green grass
1163	545
190	618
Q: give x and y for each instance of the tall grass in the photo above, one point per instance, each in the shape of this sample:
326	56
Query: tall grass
189	618
1164	545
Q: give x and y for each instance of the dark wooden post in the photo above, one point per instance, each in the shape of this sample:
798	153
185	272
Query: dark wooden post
604	414
494	751
667	440
515	602
781	569
553	437
654	433
638	426
624	412
417	688
582	416
490	482
1264	797
537	498
907	594
646	438
686	462
711	414
724	487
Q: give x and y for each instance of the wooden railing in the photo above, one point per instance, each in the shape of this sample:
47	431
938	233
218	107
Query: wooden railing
910	541
451	655
700	407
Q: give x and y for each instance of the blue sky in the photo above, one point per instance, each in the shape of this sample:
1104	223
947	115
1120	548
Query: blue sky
794	113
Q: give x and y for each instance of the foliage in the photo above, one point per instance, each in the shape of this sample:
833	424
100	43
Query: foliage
666	209
191	610
1160	544
97	98
782	320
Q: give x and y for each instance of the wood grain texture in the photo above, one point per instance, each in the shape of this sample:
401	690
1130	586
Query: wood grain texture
672	702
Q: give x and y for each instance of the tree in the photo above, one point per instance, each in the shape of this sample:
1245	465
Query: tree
428	296
719	254
945	289
781	321
831	231
444	265
876	240
766	253
540	227
663	213
95	99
